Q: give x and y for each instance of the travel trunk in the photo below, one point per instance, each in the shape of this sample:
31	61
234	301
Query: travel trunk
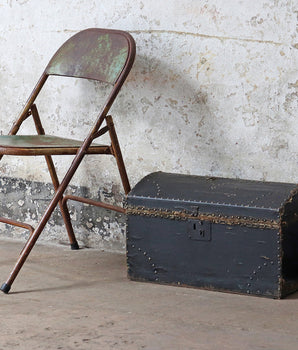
214	233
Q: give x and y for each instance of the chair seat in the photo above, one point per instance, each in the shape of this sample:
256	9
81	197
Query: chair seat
28	145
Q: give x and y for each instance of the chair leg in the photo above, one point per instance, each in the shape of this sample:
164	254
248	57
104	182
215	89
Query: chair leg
63	207
30	243
118	155
5	288
34	237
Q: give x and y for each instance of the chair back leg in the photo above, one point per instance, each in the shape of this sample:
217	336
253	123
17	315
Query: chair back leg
118	155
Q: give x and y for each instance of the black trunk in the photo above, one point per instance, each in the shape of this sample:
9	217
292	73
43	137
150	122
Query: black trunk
214	233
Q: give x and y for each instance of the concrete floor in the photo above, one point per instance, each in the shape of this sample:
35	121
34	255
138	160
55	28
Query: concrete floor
82	299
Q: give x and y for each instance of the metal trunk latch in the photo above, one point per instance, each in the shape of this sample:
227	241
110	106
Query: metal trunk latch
199	230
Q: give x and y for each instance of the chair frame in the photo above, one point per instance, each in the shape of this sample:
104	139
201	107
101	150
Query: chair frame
97	130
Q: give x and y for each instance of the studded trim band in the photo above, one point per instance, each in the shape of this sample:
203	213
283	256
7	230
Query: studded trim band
216	219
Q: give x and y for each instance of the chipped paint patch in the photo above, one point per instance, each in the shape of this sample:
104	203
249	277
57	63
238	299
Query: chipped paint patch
26	201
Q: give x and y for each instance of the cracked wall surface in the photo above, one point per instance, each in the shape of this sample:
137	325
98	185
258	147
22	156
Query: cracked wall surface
213	91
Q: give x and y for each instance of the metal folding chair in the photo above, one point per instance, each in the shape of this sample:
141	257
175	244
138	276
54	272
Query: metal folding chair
97	54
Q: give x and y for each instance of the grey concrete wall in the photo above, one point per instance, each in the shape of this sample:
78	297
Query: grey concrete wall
213	92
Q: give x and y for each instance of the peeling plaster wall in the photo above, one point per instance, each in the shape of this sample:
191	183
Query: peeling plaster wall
213	92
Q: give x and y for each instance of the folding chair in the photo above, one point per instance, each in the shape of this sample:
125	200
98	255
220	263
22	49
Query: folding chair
98	54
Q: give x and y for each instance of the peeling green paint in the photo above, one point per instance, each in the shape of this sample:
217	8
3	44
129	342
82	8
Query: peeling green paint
103	62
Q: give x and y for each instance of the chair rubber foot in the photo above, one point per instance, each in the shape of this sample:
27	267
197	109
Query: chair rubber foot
5	288
74	246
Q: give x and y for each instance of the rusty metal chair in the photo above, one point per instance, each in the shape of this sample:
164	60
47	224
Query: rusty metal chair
97	54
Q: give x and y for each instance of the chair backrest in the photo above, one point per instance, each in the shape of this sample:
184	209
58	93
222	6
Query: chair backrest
99	54
106	55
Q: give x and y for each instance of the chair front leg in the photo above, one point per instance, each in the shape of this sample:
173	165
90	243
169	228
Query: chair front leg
52	205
